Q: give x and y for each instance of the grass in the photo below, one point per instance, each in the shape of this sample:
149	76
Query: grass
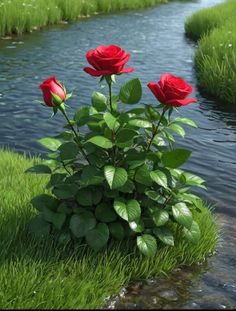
38	273
17	16
215	58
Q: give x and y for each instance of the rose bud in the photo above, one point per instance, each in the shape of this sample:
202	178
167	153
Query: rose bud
172	91
53	92
107	60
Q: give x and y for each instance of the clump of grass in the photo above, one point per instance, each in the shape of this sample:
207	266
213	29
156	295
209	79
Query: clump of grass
204	21
17	16
40	273
215	58
215	61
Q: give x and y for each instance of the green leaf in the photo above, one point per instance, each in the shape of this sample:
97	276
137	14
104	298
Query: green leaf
186	121
141	123
136	111
129	210
160	217
64	208
117	231
125	137
153	195
111	121
165	235
151	113
91	175
182	215
50	143
39	226
97	238
64	238
142	175
99	101
160	178
189	198
131	92
101	141
84	197
55	179
68	151
192	180
128	187
39	169
175	158
193	234
115	176
137	225
135	160
97	195
44	200
95	126
65	191
147	244
81	117
105	213
177	129
58	220
47	214
82	223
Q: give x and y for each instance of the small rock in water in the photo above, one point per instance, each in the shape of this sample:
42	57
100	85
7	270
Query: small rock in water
63	22
230	287
6	38
151	281
169	295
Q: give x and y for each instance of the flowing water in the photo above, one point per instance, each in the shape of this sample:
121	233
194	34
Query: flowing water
155	38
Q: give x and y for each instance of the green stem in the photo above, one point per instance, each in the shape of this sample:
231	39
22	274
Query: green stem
156	128
110	94
166	201
75	133
109	82
65	168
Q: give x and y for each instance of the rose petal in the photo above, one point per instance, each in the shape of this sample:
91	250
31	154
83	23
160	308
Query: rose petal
97	73
156	90
127	70
181	102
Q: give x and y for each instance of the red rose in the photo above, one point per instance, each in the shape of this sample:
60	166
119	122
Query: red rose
172	91
107	60
49	86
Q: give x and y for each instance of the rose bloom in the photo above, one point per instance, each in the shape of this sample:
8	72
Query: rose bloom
51	85
172	91
107	60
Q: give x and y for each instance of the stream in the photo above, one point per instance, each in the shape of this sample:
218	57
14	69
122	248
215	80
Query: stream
155	39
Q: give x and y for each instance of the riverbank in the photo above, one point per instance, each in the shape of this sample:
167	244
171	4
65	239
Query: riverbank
18	16
215	30
42	274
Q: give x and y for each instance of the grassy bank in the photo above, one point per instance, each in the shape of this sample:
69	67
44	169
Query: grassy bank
41	274
17	16
215	58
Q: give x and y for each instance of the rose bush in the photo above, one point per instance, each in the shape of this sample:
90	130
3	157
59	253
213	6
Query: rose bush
120	178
